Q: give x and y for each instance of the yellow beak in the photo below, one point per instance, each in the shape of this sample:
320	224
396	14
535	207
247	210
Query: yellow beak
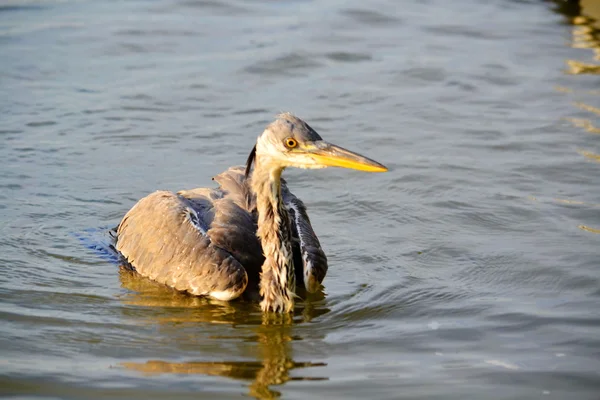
330	155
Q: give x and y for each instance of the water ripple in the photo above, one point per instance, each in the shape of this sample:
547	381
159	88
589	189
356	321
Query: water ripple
469	270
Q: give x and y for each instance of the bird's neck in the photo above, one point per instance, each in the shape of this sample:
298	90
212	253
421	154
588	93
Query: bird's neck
277	281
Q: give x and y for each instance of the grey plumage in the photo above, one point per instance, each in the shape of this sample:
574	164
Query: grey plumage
250	235
218	253
307	247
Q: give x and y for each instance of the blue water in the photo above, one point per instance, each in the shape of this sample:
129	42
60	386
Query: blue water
469	270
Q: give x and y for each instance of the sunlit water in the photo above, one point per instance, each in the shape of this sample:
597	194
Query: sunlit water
470	270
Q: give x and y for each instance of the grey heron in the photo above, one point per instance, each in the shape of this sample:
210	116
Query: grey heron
251	234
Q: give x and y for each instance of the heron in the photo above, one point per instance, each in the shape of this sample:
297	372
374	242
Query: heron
250	235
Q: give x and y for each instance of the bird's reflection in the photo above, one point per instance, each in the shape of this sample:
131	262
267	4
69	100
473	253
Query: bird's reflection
271	332
187	308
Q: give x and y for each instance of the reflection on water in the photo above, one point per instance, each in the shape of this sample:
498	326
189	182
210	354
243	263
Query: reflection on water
578	68
147	293
590	155
588	229
589	108
446	280
586	35
273	334
271	371
585	18
187	308
584	124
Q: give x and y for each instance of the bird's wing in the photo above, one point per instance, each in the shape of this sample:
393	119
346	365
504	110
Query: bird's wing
308	248
231	227
197	241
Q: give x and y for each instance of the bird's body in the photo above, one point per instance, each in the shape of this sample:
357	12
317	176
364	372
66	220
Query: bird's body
204	241
249	236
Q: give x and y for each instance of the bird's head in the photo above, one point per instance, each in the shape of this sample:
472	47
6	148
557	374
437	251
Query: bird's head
291	142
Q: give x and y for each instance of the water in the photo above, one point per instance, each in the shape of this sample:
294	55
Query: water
470	270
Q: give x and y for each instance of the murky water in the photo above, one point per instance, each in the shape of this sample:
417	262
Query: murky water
470	270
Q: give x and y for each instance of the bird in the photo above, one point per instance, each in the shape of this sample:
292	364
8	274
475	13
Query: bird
249	236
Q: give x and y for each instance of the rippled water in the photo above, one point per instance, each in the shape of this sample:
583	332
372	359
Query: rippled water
470	270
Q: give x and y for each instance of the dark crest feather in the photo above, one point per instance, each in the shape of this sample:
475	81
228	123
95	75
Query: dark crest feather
251	158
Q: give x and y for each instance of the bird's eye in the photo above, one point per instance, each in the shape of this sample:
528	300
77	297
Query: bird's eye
290	143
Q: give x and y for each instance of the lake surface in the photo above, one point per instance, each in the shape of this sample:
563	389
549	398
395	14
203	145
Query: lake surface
471	270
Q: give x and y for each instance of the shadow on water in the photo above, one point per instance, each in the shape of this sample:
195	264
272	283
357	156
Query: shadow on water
271	333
